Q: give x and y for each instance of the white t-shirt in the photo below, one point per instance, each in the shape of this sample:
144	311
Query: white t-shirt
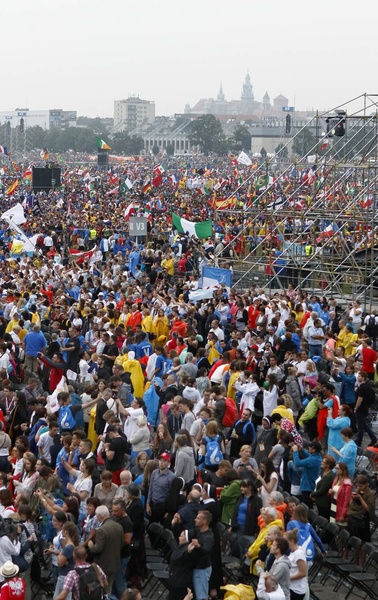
264	495
45	442
298	586
131	425
82	484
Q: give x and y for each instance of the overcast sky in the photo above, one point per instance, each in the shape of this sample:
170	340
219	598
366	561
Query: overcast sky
84	54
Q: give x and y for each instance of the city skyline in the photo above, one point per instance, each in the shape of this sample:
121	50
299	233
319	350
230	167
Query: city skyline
84	55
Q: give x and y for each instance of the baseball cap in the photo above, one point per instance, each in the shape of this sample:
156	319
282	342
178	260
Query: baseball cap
316	445
165	456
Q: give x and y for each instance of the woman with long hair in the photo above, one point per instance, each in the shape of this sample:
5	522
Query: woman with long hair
58	520
268	478
69	540
340	494
18	416
212	447
139	464
348	451
29	475
83	480
163	441
5	446
323	484
7	508
300	522
335	426
151	465
270	394
298	567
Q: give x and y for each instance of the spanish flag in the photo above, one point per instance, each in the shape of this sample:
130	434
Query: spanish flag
12	188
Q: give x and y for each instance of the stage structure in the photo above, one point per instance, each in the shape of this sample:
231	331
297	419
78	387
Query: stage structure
312	220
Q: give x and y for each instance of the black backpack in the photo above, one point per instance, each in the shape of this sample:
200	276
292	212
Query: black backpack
90	583
371	326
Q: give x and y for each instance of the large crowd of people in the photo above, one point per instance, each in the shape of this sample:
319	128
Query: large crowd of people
124	402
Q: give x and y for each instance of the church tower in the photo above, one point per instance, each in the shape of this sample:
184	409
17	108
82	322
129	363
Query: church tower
220	104
247	91
266	101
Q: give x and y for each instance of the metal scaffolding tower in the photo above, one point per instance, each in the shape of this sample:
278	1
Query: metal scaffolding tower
314	222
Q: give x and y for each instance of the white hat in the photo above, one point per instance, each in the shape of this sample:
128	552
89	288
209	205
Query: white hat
9	569
131	355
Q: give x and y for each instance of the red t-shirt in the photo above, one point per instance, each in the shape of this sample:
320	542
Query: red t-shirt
369	358
13	589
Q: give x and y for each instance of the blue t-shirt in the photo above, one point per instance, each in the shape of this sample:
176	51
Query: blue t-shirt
241	518
34	342
161	364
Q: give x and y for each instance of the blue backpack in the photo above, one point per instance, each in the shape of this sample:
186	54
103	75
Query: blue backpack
213	454
65	418
305	540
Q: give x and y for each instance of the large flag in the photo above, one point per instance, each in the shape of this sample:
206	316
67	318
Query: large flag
130	211
29	243
129	184
80	256
4	150
28	174
12	188
224	203
113	192
102	145
15	214
324	143
146	188
244	159
202	229
327	232
157	177
213	277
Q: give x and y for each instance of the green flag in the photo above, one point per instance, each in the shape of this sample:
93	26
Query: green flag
202	229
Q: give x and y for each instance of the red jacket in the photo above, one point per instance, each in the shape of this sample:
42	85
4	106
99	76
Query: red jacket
57	370
342	499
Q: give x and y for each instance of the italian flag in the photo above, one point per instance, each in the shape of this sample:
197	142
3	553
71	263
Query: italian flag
202	229
102	145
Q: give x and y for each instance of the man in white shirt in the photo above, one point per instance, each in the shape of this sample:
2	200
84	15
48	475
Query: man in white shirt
274	369
205	401
269	588
217	330
46	440
131	413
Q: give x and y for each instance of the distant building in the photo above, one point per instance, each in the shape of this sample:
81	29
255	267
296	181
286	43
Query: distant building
166	131
246	107
47	119
133	113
